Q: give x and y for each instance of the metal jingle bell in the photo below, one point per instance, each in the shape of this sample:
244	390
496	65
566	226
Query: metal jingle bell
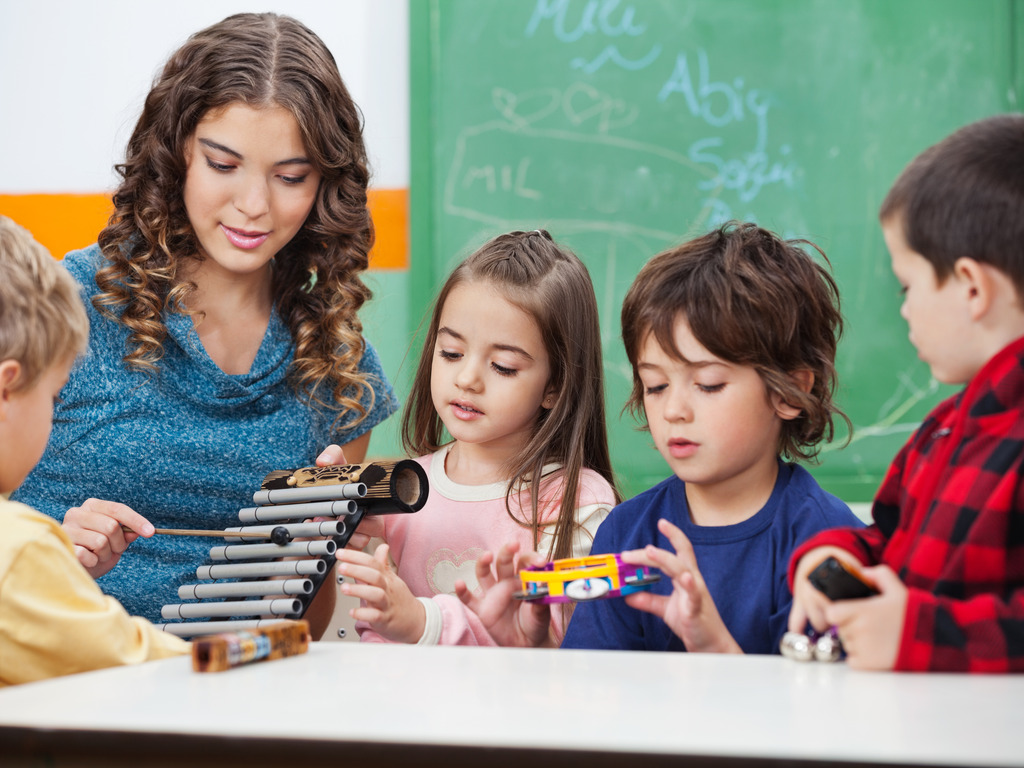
796	646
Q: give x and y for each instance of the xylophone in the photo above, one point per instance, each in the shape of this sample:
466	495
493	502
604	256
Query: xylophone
252	585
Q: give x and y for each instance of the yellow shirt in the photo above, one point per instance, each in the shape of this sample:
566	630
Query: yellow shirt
54	620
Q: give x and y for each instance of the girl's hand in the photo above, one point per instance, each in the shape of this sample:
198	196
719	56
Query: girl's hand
509	621
870	628
809	604
689	611
95	530
388	605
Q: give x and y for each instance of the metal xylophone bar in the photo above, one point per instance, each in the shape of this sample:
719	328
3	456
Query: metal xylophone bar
310	530
284	511
310	493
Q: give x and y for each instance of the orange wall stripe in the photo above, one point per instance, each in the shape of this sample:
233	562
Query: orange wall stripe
62	223
390	211
65	222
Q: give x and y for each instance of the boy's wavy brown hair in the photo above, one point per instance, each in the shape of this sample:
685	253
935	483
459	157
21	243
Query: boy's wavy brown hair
750	298
258	60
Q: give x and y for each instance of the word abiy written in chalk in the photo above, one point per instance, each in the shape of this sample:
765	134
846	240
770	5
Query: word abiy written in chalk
716	103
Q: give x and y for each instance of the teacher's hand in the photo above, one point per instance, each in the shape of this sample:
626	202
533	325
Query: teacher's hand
330	456
95	530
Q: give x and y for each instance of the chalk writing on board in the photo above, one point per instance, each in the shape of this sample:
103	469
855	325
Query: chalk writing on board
716	103
602	17
597	17
627	126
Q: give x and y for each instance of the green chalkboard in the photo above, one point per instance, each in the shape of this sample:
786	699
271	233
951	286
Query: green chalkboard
626	127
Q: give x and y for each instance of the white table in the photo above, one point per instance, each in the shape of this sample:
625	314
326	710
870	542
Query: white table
351	704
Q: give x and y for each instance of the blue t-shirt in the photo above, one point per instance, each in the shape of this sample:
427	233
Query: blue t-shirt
744	565
186	447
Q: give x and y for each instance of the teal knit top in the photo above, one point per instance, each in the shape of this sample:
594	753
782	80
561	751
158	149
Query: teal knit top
186	447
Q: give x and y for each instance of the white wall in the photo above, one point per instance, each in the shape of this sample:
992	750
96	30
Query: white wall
73	76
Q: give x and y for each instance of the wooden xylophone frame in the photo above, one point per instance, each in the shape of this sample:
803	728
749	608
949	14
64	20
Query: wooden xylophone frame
250	586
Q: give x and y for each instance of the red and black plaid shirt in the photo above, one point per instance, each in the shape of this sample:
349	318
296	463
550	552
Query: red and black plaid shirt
949	519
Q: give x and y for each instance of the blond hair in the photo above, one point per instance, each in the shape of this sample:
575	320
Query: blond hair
42	318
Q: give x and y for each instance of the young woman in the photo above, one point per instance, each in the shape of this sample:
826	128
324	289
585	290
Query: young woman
223	298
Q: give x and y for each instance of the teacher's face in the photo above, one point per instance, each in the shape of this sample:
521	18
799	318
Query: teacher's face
249	186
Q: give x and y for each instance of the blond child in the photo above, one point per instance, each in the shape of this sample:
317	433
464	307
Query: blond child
732	340
54	620
507	417
946	550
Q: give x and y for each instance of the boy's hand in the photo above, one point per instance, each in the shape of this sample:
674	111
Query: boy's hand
95	530
689	611
509	621
870	629
809	604
388	605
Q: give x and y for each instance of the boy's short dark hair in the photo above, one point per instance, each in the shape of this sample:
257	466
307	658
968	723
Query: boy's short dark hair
753	299
965	197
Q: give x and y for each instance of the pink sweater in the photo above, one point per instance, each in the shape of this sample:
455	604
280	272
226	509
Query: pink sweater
439	544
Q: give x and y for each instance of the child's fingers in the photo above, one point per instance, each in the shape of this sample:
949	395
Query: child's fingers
380	554
842	612
101	531
648	602
505	561
368	595
813	604
797	618
638	557
687	582
354	556
467	598
371	574
484	577
681	544
367	613
882	577
530	559
668	563
118	523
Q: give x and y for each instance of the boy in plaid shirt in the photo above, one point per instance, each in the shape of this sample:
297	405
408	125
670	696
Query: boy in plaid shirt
946	550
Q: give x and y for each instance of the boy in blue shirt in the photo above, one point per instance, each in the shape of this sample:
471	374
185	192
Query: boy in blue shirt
732	339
